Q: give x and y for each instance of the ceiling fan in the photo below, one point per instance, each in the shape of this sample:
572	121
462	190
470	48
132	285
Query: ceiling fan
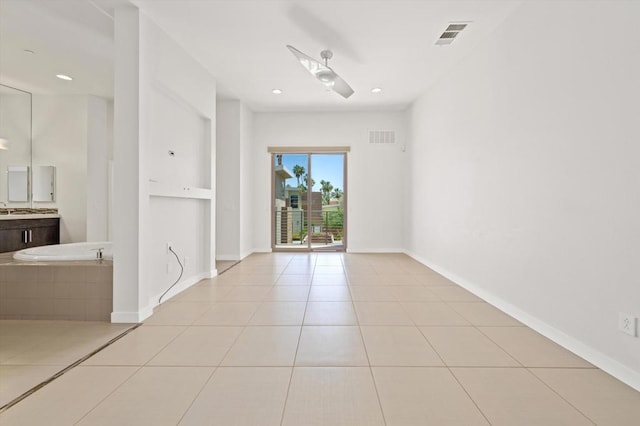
323	72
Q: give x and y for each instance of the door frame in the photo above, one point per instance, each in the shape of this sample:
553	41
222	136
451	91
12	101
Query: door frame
309	150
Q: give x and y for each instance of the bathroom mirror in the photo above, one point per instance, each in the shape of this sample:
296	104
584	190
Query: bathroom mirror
15	150
44	184
18	184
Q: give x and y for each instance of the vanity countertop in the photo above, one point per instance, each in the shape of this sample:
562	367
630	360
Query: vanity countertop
28	216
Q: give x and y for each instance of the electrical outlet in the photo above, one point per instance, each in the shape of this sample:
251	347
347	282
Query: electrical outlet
169	246
627	323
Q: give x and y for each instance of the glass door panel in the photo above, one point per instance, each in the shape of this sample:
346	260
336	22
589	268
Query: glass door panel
327	201
289	202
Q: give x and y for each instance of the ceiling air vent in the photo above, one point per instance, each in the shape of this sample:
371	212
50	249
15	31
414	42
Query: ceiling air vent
450	33
382	136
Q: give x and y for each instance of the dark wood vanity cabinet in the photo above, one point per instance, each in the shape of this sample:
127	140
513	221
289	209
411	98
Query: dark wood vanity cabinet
17	234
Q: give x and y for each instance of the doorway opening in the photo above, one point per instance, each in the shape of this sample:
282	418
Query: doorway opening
309	200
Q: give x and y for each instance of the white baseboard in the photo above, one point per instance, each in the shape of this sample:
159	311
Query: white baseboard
130	317
592	355
227	257
180	287
236	258
261	250
368	250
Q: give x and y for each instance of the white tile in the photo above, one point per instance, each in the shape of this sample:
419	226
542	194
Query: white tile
424	396
329	293
466	346
198	346
228	313
332	396
602	398
532	349
398	346
279	313
241	396
331	345
510	396
70	397
330	313
137	347
264	346
153	396
381	313
433	313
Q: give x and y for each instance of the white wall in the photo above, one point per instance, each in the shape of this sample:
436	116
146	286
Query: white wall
228	195
60	140
234	170
525	166
376	172
99	126
246	182
164	101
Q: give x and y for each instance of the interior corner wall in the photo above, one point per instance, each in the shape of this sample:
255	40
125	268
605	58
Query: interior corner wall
525	166
60	130
228	194
246	182
376	172
234	170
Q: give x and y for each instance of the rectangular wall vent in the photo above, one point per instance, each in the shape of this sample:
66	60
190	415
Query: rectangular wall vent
382	136
449	34
452	31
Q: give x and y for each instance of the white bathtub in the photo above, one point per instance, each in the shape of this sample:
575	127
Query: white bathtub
66	252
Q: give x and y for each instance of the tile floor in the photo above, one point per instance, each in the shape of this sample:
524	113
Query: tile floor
331	339
32	351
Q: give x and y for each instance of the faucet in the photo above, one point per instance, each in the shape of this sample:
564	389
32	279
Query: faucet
99	253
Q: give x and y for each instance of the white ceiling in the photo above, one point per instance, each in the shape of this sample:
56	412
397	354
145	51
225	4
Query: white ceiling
376	43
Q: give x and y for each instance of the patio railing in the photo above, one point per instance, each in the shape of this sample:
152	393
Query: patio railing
291	227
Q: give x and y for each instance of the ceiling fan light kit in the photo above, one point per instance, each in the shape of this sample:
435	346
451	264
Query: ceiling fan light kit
321	71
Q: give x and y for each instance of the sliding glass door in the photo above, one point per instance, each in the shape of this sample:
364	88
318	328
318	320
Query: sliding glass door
309	201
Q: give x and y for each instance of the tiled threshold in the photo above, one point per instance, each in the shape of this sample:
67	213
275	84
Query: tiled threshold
66	369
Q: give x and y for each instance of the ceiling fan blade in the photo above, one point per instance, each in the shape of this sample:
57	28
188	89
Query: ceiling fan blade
313	66
323	73
341	87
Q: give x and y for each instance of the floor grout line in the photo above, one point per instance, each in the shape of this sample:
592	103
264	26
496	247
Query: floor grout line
295	356
66	369
366	352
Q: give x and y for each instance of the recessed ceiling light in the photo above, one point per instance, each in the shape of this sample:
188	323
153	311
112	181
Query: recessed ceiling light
276	91
376	90
64	77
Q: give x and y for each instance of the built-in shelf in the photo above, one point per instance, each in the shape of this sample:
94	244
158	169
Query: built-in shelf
160	189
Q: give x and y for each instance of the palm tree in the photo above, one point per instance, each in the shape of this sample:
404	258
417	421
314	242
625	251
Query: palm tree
325	188
303	185
336	194
298	171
